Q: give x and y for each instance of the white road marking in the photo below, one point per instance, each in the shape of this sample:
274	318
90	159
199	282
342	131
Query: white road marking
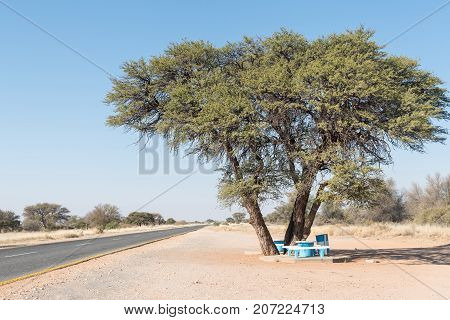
82	244
20	254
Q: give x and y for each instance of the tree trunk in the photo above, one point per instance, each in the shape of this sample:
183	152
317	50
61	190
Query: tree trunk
310	219
268	248
313	211
295	230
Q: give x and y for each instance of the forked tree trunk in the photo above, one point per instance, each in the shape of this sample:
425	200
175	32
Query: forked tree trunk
295	230
300	223
268	248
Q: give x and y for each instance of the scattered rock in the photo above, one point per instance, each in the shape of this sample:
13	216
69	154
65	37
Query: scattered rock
372	261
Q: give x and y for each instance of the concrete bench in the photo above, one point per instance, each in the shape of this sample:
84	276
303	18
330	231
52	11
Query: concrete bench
297	249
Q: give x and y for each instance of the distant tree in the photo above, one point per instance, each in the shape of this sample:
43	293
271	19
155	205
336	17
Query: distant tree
331	213
430	204
230	220
75	222
103	214
31	225
282	212
388	205
9	221
210	221
170	221
47	215
141	218
158	218
238	217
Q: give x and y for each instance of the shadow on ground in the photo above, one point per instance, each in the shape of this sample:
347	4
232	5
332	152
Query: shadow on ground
439	255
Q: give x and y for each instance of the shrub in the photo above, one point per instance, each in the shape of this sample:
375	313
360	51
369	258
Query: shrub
438	215
75	222
171	221
141	218
9	221
112	225
31	225
230	220
102	215
238	217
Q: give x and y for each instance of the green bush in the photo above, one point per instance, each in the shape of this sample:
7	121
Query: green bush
112	225
438	215
171	221
31	225
9	221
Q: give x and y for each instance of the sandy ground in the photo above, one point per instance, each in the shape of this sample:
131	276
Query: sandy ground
211	264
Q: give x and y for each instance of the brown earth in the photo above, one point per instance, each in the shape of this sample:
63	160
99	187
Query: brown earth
211	264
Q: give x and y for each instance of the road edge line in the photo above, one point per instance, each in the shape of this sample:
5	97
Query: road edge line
73	263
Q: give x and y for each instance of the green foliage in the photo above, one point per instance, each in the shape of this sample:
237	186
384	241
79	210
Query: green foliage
46	216
283	112
354	182
386	205
112	225
282	213
436	215
230	220
430	204
31	225
158	218
140	218
9	221
170	221
238	217
102	215
75	222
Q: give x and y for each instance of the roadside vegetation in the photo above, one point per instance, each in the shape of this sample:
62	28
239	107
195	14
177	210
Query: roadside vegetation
429	204
50	221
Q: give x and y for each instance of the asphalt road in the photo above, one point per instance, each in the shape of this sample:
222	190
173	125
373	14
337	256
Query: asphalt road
20	261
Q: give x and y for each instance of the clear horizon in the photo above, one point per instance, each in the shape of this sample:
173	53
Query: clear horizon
55	145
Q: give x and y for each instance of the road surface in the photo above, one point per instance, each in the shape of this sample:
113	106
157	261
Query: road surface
20	261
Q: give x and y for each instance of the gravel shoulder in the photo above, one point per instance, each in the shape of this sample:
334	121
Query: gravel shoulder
211	264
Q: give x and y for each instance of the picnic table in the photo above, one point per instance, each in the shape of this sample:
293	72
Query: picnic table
297	249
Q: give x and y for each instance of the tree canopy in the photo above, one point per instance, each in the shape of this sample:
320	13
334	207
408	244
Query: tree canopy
283	112
9	221
45	216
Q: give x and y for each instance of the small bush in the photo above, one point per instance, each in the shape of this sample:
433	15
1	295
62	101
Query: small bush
31	225
171	221
112	225
216	224
72	235
439	215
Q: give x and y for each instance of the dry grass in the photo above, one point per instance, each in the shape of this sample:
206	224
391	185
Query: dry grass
19	238
375	230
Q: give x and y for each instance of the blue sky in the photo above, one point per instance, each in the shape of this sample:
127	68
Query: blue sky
53	142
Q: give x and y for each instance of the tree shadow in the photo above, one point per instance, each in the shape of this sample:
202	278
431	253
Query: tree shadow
439	255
